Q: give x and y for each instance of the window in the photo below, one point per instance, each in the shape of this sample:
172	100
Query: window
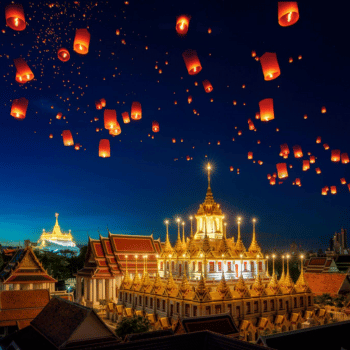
140	300
180	269
150	302
229	266
167	265
130	298
207	310
187	310
161	265
218	309
281	303
120	295
194	310
199	266
265	305
172	266
301	302
211	266
238	311
163	305
194	266
295	302
178	308
309	300
158	304
248	308
272	305
245	266
146	301
220	266
260	265
256	306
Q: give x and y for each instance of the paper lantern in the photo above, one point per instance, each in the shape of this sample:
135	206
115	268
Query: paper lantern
250	155
110	118
326	147
189	99
266	110
103	102
253	53
15	17
344	158
335	155
115	132
24	73
312	159
63	54
284	149
257	115
207	86
231	168
192	62
282	170
98	105
272	181
209	30
318	140
19	108
290	60
323	109
173	140
77	146
269	65
155	126
182	23
343	181
51	136
81	41
318	171
126	118
326	188
251	124
104	149
333	189
260	162
67	138
297	182
288	13
306	165
59	115
324	192
136	111
349	187
298	153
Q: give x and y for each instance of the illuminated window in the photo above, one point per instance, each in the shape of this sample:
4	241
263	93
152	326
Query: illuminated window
219	266
211	266
161	265
272	305
229	267
248	308
245	266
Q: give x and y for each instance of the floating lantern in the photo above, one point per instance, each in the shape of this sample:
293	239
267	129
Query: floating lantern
269	65
126	118
306	165
63	54
24	73
59	115
189	99
182	24
253	53
15	17
335	155
81	41
288	13
344	158
326	188
324	192
103	102
77	146
19	108
284	149
234	103
326	147
251	125
98	105
231	168
318	171
323	109
282	170
155	126
250	155
110	119
67	138
192	62
343	181
173	140
298	153
136	111
268	176
117	32
290	59
209	30
318	140
312	159
266	110
104	149
297	182
333	189
207	86
272	181
116	131
51	136
260	162
257	115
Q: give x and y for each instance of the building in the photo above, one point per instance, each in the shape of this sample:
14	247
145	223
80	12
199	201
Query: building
330	283
338	244
57	241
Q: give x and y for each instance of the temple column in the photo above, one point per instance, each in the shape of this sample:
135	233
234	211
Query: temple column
78	288
30	286
114	288
90	289
107	287
104	296
86	292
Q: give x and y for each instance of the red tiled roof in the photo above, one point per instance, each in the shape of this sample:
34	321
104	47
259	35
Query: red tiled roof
98	250
317	261
132	244
328	263
320	283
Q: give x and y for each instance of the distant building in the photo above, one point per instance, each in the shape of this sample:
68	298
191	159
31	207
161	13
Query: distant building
338	244
340	263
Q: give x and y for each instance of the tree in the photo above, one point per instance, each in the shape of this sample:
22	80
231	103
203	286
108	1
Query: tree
135	324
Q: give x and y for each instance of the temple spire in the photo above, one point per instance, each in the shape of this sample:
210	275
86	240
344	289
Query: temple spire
56	214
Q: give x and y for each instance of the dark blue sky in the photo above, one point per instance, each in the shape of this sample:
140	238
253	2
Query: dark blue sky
141	184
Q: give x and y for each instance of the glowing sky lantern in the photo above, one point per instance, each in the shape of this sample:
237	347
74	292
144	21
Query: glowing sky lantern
285	149
15	17
110	119
344	158
250	155
104	149
136	111
269	65
192	62
67	138
126	118
343	181
81	41
273	181
288	13
253	53
63	54
189	99
349	186
115	132
298	182
282	170
306	165
333	189
207	86
326	146
231	168
173	140
182	23
335	155
77	146
312	159
318	140
103	102
24	73
266	110
324	192
19	108
251	124
98	104
59	115
155	126
318	171
117	32
323	109
298	153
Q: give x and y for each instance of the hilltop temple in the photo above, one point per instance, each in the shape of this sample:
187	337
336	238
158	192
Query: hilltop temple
57	241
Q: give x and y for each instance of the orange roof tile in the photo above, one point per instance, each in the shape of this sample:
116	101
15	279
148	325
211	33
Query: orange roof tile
320	283
21	299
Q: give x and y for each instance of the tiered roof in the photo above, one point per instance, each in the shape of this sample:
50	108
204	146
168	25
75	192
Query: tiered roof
332	283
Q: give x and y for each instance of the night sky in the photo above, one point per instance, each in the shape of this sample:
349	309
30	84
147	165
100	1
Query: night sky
144	183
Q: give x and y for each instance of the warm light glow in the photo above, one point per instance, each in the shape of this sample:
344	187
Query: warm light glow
254	220
16	22
241	256
267	256
166	222
178	220
183	223
191	217
289	16
209	167
136	256
273	255
288	256
126	256
302	256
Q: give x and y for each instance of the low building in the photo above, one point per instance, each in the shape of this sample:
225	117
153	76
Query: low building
330	283
329	264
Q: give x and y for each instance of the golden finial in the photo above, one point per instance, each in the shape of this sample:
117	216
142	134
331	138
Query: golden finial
301	283
239	228
126	268
209	168
178	228
254	220
56	215
167	229
267	266
191	218
273	264
136	273
183	232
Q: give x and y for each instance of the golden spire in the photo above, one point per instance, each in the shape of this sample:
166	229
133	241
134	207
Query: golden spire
56	214
171	283
178	228
209	168
273	285
191	218
157	282
136	273
167	248
222	287
185	285
206	244
267	266
258	285
281	280
301	283
209	199
178	245
254	247
240	286
201	289
225	224
288	282
183	235
239	244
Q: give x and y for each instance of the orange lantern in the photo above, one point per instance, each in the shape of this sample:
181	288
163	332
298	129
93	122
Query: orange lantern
115	132
189	99
51	136
81	41
269	65
24	73
231	168
103	102
268	176
344	158
67	138
182	23
288	13
343	181
173	140
209	30
323	109
282	170
306	165
290	60
284	149
117	32
234	103
257	115
326	147
324	191
297	182
272	181
63	54
77	146
192	62
155	126
253	53
251	124
15	17
335	155
260	162
104	149
318	171
59	115
126	118
298	153
98	105
326	188
333	189
110	119
349	187
19	108
318	140
266	110
312	159
207	86
250	155
136	111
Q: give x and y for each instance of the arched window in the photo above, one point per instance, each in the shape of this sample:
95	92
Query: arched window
161	265
260	265
167	265
245	266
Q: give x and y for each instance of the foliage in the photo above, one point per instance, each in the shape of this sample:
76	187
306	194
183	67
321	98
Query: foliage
135	324
327	299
